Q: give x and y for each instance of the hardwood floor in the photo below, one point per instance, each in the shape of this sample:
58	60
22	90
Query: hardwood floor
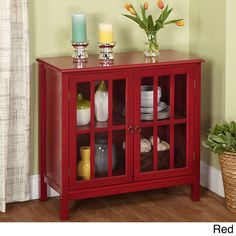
162	205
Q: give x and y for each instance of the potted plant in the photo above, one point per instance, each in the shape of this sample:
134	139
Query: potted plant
222	141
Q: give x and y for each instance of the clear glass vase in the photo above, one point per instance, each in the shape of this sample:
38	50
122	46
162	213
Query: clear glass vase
151	47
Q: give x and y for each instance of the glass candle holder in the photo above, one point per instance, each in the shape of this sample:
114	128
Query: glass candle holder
80	51
106	51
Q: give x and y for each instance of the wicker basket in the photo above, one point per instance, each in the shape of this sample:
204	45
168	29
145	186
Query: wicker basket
228	167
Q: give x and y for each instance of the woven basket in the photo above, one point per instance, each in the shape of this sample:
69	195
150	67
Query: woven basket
228	167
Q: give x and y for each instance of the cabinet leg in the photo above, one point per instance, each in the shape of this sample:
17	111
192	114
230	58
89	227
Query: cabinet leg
43	189
195	191
64	208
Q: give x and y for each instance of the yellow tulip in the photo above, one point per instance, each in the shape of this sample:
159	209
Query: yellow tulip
145	5
180	23
127	6
132	11
160	4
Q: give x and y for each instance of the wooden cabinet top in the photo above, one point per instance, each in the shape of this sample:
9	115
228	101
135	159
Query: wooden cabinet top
122	60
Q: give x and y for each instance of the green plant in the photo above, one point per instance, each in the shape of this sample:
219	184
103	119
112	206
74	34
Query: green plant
146	22
149	25
222	138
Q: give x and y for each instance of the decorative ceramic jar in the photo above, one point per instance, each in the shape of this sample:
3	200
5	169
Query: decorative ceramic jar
83	167
83	111
145	145
101	156
101	102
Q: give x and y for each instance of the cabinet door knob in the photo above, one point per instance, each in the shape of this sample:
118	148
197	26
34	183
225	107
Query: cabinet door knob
137	129
131	130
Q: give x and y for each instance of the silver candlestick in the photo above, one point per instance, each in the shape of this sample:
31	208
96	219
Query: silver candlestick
106	51
80	51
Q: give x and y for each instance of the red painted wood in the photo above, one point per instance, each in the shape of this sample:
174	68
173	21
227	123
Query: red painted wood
172	118
53	125
65	151
92	123
72	133
163	122
58	147
155	129
98	182
129	119
190	118
110	121
42	133
122	61
86	130
197	127
131	187
137	136
52	184
171	122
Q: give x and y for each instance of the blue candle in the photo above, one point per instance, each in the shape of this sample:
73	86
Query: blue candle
79	32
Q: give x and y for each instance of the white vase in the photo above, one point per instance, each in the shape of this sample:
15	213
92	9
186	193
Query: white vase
101	102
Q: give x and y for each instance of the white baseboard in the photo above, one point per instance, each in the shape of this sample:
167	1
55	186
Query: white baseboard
34	188
210	178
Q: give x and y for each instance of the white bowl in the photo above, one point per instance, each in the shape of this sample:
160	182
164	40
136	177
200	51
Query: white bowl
83	116
147	92
149	110
161	115
146	102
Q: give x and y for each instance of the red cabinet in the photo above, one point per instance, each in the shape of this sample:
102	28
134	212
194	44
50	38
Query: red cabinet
149	139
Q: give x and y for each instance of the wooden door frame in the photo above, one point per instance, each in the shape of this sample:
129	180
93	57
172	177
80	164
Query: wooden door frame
91	78
165	71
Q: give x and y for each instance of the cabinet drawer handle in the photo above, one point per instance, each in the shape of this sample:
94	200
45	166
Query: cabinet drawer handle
138	129
131	130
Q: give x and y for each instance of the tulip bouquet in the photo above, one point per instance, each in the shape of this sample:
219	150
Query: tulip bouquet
150	26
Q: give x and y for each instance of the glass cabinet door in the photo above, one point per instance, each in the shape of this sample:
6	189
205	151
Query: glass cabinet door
163	120
100	112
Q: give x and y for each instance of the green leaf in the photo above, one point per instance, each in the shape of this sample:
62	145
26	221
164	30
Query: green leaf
166	15
172	21
158	25
135	19
222	138
150	23
165	11
217	139
160	17
145	22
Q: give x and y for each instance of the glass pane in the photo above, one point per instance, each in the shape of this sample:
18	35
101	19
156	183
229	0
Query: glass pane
119	98
180	146
83	106
164	96
146	99
101	103
118	153
146	161
180	96
101	155
83	157
163	147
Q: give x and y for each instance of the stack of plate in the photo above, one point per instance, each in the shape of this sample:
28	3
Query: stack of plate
147	95
147	104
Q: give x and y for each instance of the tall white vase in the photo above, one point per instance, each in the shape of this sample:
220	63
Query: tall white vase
101	102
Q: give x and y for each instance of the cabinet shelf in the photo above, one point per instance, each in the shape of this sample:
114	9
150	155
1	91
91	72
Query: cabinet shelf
163	122
87	129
